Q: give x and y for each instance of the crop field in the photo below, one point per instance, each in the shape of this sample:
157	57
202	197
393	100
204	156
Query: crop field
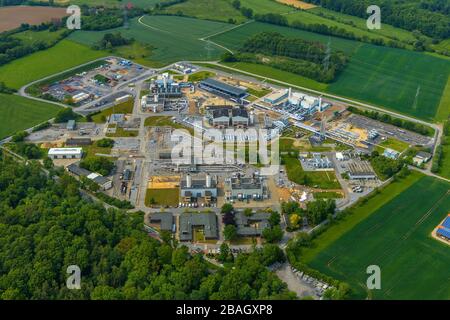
18	113
64	55
405	81
444	110
172	38
109	3
396	236
12	17
266	6
219	10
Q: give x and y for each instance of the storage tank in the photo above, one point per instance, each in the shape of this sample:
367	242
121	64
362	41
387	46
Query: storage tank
188	181
208	180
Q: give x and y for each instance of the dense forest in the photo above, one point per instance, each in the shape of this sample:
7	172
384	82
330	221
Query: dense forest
46	225
431	17
307	58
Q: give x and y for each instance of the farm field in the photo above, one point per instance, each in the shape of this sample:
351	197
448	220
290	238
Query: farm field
280	75
396	236
297	4
64	55
443	112
30	37
18	113
172	38
12	17
108	3
266	6
219	10
235	38
392	78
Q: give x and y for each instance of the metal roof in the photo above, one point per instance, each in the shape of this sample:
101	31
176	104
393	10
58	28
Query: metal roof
65	151
224	87
165	220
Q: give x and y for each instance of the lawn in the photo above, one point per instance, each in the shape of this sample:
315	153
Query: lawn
394	144
172	38
327	195
18	113
124	107
162	197
165	121
319	179
392	78
64	55
392	230
220	10
91	150
122	133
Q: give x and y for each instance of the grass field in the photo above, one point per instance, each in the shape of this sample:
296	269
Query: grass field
31	37
18	113
392	78
201	75
444	105
393	144
392	230
266	6
162	197
277	74
320	179
172	38
220	10
163	121
64	55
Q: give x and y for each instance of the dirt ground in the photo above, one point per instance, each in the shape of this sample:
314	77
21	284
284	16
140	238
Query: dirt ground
297	4
12	17
164	182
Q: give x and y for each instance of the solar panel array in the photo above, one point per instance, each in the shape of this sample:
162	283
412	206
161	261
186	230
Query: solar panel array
444	229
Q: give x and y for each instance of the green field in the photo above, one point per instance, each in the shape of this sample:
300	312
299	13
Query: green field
443	112
146	4
31	37
392	230
64	55
235	38
18	113
394	144
172	38
392	78
265	6
162	197
220	10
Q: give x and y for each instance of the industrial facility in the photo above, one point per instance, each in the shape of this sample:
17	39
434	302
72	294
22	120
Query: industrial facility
225	90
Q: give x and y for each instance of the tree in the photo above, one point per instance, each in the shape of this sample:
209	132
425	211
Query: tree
105	143
225	254
272	253
65	115
294	220
19	136
248	212
100	165
274	219
273	234
230	232
236	4
227	208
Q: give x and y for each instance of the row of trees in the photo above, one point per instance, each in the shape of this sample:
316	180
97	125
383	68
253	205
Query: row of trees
111	40
97	19
53	226
439	154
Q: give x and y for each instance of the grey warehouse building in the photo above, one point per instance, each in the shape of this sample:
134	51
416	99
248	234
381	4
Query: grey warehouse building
244	188
223	89
207	221
252	226
164	219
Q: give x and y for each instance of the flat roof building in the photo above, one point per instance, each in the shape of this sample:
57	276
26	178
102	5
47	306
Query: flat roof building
73	142
223	89
199	187
71	125
206	221
65	153
103	182
251	226
422	157
165	221
361	170
242	188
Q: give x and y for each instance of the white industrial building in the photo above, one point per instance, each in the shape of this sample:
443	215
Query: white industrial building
65	153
